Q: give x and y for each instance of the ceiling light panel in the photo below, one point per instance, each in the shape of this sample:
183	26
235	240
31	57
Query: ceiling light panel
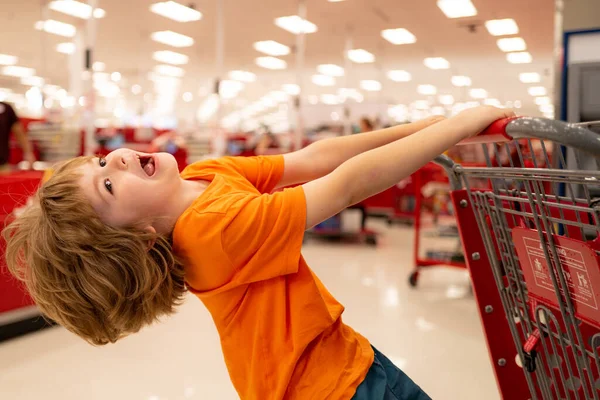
537	91
272	48
271	63
428	90
512	44
171	38
502	27
530	77
175	11
66	48
399	76
370	85
457	8
398	36
76	9
522	57
296	25
6	59
461	81
360	56
323	80
331	70
436	63
56	28
242	76
170	57
478	93
33	81
169	70
16	71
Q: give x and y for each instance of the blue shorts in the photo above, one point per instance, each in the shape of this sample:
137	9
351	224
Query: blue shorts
385	381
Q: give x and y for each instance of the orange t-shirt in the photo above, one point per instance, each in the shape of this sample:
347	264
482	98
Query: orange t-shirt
281	330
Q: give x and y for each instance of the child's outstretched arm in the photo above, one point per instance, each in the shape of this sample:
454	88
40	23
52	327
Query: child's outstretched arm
376	170
322	157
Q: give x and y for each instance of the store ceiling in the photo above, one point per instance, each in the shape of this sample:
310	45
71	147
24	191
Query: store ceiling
124	45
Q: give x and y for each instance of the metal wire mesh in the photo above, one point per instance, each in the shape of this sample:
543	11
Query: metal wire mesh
527	185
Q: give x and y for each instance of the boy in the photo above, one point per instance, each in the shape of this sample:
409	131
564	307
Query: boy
111	244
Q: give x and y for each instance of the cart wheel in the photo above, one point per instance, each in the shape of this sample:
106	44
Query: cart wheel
371	240
413	279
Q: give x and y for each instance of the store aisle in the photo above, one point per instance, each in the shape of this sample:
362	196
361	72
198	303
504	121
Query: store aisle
433	333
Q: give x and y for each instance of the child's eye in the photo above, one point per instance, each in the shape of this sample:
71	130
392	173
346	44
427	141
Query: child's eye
102	162
108	185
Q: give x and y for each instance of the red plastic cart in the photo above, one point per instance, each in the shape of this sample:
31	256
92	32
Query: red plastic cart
532	247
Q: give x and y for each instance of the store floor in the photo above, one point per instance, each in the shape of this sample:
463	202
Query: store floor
433	333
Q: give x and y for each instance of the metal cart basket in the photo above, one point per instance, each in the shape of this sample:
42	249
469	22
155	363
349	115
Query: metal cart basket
530	230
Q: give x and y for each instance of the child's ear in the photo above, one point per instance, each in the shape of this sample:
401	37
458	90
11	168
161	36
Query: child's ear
150	229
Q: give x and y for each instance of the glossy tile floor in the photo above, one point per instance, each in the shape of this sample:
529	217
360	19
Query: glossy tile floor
433	333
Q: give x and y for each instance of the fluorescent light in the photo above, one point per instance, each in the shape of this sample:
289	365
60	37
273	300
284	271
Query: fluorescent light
537	91
56	28
291	88
187	97
296	25
502	27
169	70
518	104
136	89
115	76
171	38
446	99
242	76
399	76
492	102
66	48
429	90
323	80
420	105
457	8
547	108
33	81
99	13
229	89
436	63
176	11
478	93
170	57
208	108
272	48
530	77
398	36
370	85
329	99
345	93
330	69
360	56
461	81
271	63
76	9
278	96
519	58
99	66
511	44
542	101
6	59
438	110
16	71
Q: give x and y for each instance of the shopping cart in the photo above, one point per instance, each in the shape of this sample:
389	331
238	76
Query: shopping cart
532	247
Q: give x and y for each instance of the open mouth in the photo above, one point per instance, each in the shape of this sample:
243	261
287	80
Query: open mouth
147	164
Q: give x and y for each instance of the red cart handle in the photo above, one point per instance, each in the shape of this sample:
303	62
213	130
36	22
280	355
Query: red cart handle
576	136
495	133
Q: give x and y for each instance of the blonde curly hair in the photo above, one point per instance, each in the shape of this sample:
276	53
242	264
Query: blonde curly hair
100	282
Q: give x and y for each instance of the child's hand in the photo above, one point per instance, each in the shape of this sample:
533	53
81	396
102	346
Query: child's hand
475	120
